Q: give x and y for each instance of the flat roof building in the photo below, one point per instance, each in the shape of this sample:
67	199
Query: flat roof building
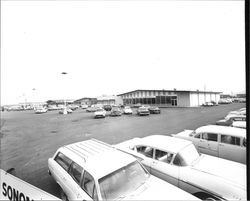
169	98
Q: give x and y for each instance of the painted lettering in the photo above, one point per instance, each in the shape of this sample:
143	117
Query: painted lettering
9	190
4	189
15	194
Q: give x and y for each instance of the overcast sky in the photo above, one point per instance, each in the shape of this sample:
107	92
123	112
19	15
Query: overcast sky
111	47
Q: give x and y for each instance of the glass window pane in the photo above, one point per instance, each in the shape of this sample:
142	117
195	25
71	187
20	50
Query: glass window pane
210	136
75	171
63	161
163	156
146	151
88	184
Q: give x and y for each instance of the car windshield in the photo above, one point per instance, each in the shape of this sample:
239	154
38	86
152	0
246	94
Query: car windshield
189	154
99	110
123	181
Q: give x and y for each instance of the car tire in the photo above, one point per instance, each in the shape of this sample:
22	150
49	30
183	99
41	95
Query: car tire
206	197
63	196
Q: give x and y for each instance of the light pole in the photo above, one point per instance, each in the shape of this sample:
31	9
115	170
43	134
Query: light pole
65	109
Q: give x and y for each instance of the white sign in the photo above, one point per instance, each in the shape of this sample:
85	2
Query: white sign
15	189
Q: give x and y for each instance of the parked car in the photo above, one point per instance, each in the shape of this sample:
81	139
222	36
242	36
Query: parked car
232	118
127	110
84	106
137	105
93	108
207	104
178	162
239	124
93	170
100	113
53	107
116	111
73	107
154	110
65	111
40	110
241	111
220	141
224	101
143	111
107	107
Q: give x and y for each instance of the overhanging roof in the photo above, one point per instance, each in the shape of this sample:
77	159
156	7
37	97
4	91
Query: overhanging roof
188	91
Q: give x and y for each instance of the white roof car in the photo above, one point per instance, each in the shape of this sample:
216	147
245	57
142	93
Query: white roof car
177	161
127	110
220	141
239	124
100	113
93	170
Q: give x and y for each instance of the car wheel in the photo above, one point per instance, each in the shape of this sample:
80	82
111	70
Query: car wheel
206	197
63	196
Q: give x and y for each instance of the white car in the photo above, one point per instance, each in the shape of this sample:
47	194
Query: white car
220	141
127	110
84	106
100	113
40	110
93	170
65	111
239	124
241	111
178	162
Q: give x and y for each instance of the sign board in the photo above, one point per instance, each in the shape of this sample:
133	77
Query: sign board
15	189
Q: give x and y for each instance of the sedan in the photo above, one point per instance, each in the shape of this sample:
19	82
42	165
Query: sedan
230	119
100	113
116	111
142	111
154	110
41	110
127	110
178	162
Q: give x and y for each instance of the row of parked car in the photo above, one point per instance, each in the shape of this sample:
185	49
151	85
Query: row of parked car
234	119
208	163
101	111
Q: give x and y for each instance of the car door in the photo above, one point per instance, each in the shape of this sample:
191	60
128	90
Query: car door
76	173
209	144
232	148
163	168
59	169
89	187
147	154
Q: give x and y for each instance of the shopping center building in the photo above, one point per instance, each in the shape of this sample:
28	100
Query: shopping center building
169	98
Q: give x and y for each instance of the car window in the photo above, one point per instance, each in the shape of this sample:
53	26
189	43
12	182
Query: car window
244	143
230	140
210	136
88	184
75	171
63	161
163	156
147	151
197	136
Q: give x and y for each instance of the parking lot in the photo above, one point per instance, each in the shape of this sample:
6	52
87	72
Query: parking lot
29	139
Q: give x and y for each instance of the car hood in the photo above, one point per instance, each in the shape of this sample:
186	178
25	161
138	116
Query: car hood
229	171
184	133
157	189
99	112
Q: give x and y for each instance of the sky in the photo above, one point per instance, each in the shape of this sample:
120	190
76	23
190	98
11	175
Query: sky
112	47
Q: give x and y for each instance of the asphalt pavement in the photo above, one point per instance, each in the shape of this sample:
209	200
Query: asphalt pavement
29	139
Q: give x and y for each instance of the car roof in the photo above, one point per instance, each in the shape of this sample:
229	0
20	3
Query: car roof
96	157
166	143
225	130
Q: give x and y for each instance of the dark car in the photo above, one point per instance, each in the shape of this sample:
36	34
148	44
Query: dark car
143	111
154	110
230	120
107	107
116	111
